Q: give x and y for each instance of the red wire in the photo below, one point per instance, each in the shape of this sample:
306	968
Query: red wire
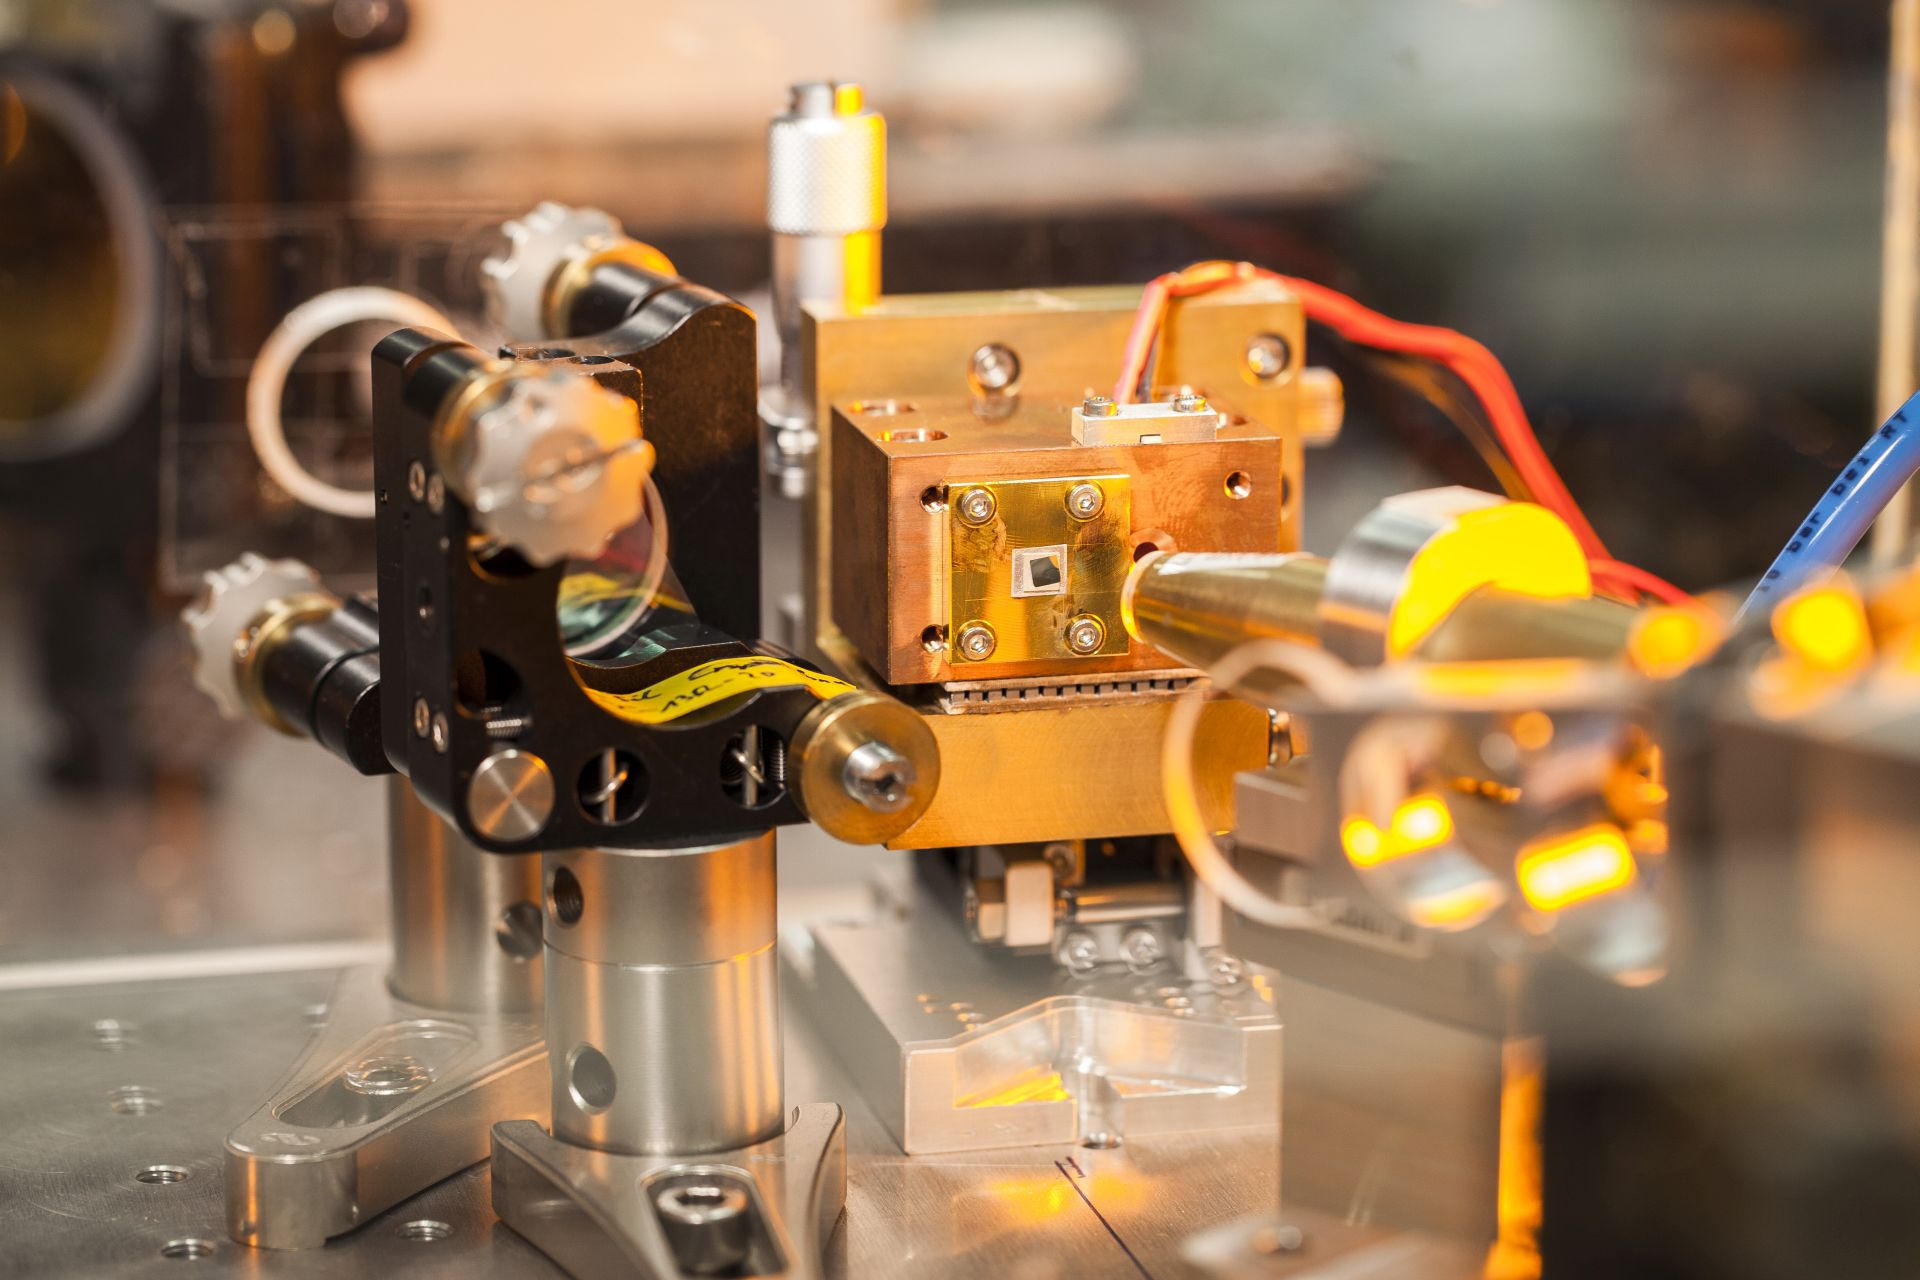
1469	360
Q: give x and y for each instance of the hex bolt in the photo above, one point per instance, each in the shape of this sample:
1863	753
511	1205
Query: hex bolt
994	369
1098	407
1142	949
708	1225
976	506
422	717
1079	952
1085	634
977	641
1268	356
1085	500
879	777
1189	402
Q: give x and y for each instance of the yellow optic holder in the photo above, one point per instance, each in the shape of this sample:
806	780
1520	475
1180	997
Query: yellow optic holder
1404	569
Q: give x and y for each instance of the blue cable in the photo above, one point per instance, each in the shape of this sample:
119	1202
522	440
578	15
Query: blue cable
1846	510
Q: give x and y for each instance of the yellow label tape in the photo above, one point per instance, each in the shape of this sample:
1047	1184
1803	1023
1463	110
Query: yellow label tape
591	588
712	682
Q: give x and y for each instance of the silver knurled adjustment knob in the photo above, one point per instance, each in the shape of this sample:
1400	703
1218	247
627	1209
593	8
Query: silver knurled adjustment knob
538	245
827	163
222	619
555	466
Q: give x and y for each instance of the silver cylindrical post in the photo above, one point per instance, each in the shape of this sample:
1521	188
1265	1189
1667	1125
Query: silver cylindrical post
466	923
663	1006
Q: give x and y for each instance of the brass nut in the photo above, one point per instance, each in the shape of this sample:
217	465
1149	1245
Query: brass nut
977	642
826	746
1085	500
1085	634
976	506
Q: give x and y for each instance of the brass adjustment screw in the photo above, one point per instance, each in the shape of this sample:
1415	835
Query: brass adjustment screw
977	641
1085	501
1085	634
976	506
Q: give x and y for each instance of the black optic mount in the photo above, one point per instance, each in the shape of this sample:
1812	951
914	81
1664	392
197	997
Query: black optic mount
477	641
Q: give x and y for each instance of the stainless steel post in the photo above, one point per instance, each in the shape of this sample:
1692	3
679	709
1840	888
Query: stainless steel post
663	1015
466	923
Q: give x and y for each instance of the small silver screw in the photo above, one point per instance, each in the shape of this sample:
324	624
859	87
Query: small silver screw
977	506
1226	972
1060	858
1098	407
1085	634
1142	949
1085	500
1079	951
436	493
1268	355
977	641
1188	402
416	481
422	717
994	368
438	732
879	777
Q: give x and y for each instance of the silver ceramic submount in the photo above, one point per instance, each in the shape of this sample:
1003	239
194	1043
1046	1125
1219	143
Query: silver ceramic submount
826	206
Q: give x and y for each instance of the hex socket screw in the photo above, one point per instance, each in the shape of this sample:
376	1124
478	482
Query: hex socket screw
1085	500
977	641
976	506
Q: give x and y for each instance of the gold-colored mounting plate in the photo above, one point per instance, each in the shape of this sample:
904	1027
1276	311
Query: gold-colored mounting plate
1033	567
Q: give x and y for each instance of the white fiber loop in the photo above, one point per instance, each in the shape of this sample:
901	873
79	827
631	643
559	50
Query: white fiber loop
266	385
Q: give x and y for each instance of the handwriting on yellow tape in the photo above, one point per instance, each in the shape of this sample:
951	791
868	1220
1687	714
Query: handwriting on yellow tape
711	682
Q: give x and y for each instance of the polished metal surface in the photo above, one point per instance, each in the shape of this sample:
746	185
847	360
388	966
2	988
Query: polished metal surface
466	924
388	1098
100	1084
663	997
603	1216
411	1067
511	795
71	1204
959	1046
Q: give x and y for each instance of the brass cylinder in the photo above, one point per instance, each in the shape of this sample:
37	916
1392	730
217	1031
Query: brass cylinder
1198	606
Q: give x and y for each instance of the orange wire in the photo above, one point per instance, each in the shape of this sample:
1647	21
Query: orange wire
1468	359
